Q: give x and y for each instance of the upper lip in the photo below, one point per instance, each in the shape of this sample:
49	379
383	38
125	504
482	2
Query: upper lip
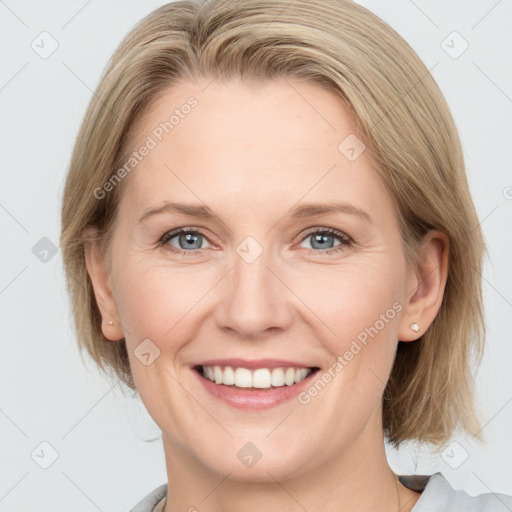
254	363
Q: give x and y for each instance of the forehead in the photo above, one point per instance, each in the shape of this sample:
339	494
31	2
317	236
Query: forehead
245	143
301	113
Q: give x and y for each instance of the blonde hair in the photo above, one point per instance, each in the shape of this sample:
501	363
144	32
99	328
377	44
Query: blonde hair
405	122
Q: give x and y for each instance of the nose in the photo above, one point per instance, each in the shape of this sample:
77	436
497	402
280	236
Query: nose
254	301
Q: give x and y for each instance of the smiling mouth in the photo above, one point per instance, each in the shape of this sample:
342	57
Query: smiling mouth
260	378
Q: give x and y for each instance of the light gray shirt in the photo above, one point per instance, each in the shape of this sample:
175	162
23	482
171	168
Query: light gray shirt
437	495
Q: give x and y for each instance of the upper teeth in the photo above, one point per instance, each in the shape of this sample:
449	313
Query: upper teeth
259	378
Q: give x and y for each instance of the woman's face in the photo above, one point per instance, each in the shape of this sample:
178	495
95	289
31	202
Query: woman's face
253	282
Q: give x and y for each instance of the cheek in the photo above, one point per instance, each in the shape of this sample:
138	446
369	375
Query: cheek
158	301
359	311
352	299
359	307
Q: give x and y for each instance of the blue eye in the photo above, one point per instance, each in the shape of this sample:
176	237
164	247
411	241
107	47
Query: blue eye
186	239
320	239
189	241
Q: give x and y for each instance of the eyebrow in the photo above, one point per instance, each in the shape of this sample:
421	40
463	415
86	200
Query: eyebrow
304	210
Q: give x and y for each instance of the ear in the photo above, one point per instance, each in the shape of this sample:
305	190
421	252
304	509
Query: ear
97	269
425	286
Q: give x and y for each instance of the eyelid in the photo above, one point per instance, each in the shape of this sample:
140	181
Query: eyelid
330	231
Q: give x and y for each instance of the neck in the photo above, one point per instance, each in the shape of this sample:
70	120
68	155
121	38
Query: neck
357	478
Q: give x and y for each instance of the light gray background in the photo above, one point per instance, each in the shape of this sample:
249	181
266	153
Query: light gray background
47	395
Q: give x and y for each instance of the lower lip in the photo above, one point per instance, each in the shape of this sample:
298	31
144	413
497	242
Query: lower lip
251	398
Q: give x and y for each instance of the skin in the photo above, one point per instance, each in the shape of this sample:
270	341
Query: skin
251	153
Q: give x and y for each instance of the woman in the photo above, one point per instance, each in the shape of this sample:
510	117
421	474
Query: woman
268	235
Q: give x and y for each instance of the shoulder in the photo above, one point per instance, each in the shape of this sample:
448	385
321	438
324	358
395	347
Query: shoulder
438	495
148	503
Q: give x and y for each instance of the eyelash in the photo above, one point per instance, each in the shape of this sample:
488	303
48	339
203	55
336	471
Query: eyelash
346	241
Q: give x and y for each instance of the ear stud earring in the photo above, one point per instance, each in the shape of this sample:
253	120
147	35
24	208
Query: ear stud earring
110	322
415	327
